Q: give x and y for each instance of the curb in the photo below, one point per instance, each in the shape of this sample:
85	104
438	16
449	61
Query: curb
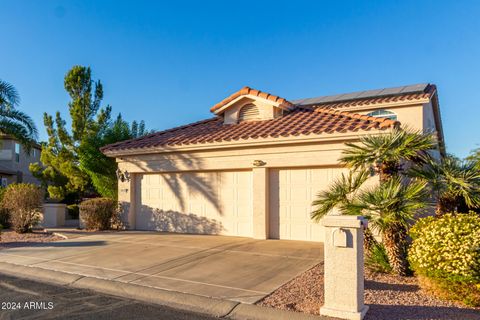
253	312
176	300
184	301
38	274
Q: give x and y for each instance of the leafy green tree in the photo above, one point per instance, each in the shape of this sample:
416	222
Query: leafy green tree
453	182
72	160
100	168
14	122
61	168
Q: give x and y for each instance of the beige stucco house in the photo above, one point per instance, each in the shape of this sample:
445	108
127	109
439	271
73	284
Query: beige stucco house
15	161
254	169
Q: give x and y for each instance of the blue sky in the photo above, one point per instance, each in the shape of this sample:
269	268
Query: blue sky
168	63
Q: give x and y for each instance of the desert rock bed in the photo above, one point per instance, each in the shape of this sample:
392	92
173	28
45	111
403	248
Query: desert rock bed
389	297
11	239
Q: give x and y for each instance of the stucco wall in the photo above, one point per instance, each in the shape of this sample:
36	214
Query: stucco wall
8	161
317	157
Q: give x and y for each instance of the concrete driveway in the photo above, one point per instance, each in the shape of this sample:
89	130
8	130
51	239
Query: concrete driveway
233	268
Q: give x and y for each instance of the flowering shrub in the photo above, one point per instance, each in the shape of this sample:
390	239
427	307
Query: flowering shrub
450	244
446	251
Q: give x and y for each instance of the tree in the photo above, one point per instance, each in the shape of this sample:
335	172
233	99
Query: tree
453	182
100	168
62	172
474	157
341	195
72	161
14	122
390	208
389	155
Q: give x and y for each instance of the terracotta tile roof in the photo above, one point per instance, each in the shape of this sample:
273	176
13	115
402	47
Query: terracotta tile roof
426	94
249	91
298	121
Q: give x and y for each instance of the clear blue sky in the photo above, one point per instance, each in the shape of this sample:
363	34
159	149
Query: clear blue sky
168	63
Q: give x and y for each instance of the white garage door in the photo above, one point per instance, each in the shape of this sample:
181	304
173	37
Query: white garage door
196	202
291	194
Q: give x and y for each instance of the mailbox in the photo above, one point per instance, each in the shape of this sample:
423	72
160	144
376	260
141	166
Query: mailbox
339	238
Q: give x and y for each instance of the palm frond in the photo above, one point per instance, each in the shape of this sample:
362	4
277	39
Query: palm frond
9	96
18	131
339	195
23	119
391	149
393	202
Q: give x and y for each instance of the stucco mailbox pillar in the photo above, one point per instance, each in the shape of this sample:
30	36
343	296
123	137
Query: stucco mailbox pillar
54	215
343	279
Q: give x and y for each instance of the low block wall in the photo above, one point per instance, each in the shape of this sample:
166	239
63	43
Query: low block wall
54	215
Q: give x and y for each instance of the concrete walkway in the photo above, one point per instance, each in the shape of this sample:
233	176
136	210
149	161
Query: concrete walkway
232	268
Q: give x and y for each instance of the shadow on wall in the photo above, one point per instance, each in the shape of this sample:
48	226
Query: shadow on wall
196	183
173	221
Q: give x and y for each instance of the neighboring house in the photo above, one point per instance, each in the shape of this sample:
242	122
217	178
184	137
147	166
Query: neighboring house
14	161
254	168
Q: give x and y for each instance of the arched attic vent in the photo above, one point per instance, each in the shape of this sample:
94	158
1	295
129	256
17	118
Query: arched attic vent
249	112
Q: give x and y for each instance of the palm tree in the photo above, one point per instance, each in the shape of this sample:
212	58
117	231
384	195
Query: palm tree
340	195
390	207
453	182
387	153
12	121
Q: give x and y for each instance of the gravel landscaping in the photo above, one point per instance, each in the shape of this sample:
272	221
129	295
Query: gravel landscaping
389	297
11	239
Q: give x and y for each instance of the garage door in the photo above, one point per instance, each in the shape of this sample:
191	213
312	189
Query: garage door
196	202
291	194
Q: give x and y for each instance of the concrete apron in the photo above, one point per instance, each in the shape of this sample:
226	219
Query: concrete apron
217	275
177	300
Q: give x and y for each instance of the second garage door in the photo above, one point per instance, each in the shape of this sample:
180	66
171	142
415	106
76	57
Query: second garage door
291	194
196	202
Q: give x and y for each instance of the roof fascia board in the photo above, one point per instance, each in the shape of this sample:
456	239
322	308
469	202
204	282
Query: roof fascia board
377	105
248	143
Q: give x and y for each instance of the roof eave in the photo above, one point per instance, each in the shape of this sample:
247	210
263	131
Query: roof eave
301	139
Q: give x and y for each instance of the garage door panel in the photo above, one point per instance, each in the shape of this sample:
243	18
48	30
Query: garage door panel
292	192
199	202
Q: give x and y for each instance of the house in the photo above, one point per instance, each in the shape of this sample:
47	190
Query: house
254	169
15	161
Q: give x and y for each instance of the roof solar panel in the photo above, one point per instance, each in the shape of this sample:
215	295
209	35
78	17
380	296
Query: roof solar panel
363	94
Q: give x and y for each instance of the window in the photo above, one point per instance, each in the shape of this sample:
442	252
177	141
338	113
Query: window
17	152
34	153
249	112
383	114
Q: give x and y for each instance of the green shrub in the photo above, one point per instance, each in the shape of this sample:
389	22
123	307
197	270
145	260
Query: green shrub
377	259
24	204
4	215
98	213
73	211
446	252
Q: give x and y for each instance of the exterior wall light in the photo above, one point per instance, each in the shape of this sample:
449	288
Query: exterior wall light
259	163
122	176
